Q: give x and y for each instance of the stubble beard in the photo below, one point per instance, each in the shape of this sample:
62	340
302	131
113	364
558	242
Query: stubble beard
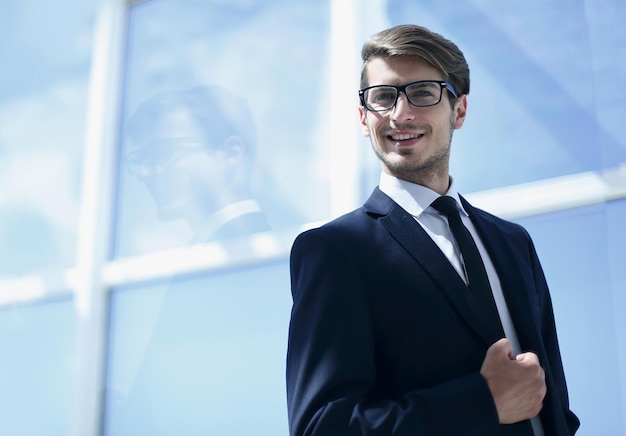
420	172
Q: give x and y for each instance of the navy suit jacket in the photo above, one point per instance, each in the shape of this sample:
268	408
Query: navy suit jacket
386	339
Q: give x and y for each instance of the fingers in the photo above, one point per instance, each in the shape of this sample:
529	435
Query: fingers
531	362
516	383
534	371
528	357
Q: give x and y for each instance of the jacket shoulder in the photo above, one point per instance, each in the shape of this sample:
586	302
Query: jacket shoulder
351	225
508	228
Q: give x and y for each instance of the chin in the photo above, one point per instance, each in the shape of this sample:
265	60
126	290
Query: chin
400	165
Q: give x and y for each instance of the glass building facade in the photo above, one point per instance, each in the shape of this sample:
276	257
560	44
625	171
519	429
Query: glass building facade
158	157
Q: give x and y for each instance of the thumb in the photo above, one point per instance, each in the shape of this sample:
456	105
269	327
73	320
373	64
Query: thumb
502	349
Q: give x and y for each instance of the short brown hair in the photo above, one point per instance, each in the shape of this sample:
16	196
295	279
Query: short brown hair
415	41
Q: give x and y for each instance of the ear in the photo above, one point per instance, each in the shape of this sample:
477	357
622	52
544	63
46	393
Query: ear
460	111
231	150
363	119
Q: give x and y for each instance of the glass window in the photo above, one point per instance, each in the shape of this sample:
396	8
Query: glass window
36	364
223	121
45	54
200	355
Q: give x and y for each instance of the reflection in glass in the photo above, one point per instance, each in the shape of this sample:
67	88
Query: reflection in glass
194	151
268	60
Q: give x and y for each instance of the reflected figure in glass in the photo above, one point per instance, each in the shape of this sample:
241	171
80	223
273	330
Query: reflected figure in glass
194	151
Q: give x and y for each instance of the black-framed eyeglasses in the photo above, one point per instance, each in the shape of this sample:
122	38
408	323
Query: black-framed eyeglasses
159	154
423	93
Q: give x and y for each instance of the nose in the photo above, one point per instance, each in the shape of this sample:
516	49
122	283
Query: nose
403	110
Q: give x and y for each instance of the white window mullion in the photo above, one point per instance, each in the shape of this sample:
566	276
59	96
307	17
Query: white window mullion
553	195
94	233
343	102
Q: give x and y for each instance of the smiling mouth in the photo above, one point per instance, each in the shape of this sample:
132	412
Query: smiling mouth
405	136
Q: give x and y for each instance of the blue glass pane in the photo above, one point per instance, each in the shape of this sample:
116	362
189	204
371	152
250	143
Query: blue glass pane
545	99
45	58
200	356
616	217
36	363
582	252
223	109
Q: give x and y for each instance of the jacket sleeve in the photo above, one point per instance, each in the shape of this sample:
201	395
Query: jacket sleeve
331	361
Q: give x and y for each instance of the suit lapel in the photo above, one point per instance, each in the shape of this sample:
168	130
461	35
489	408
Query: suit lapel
414	239
514	283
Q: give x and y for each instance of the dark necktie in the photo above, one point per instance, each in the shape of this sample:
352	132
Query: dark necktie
474	267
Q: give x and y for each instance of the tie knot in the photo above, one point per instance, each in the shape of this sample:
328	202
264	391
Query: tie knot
446	205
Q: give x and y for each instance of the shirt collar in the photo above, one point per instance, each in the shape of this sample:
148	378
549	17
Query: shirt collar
225	215
414	198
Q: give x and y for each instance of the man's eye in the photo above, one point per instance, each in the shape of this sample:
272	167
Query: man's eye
421	93
383	96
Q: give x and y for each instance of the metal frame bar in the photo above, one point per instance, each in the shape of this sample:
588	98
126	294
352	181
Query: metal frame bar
95	219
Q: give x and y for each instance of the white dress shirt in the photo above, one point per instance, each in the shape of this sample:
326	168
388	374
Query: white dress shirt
416	200
223	216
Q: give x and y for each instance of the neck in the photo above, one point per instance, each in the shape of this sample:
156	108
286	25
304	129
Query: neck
438	181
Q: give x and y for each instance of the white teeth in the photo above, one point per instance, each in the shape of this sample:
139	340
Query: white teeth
405	137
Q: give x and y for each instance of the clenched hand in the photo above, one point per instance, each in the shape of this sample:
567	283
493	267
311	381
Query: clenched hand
517	383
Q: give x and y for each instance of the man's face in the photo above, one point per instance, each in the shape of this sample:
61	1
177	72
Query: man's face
413	143
186	174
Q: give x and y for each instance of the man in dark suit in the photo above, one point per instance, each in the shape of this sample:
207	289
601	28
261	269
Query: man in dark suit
387	334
